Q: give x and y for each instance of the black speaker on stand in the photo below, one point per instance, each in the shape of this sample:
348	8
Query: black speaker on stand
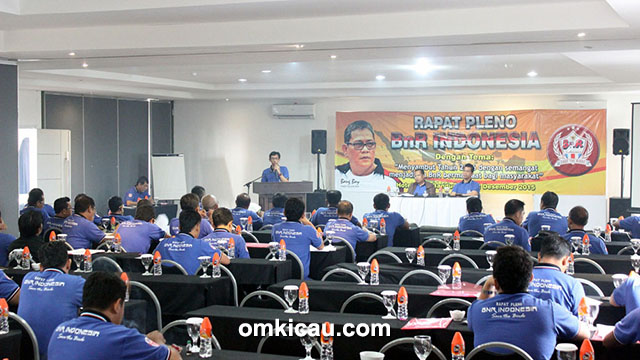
318	146
621	147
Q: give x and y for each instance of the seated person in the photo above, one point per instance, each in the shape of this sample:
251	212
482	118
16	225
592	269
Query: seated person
297	232
242	211
513	215
35	202
223	223
516	317
209	205
630	224
116	210
5	241
276	213
62	207
627	294
420	186
475	218
393	220
549	279
140	191
546	216
190	202
324	214
81	232
185	248
200	191
50	297
344	228
97	333
30	226
626	331
578	218
137	235
9	290
468	186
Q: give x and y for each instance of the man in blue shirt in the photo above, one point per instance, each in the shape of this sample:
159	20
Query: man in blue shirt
5	241
138	192
626	331
97	334
50	297
35	202
475	219
190	202
513	215
578	218
275	172
81	232
546	216
139	234
62	207
297	232
466	187
276	213
324	214
9	290
242	211
223	222
392	220
630	224
30	226
116	210
627	294
344	228
549	279
209	205
420	186
185	248
518	318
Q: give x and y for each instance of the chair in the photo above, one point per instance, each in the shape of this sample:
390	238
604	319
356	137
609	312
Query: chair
173	266
492	245
181	322
27	329
421	272
471	233
296	259
266	227
268	294
483	280
498	344
144	288
593	266
588	284
232	278
341	240
459	304
363	309
341	271
407	340
625	249
291	346
105	263
439	243
245	234
459	256
384	253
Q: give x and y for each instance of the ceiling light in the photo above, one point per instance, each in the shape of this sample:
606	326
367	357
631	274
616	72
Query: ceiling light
507	66
242	80
532	73
85	65
299	46
227	99
333	57
151	99
194	73
72	54
380	77
266	71
581	34
422	66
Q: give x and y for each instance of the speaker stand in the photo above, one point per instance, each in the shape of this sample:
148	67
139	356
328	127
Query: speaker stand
318	173
621	176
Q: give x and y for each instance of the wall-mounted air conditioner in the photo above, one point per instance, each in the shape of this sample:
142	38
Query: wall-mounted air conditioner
293	111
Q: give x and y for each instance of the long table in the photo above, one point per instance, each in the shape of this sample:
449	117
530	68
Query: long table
10	344
445	211
240	355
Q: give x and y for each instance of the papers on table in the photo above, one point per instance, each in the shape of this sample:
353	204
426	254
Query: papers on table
432	323
466	290
325	249
602	331
81	251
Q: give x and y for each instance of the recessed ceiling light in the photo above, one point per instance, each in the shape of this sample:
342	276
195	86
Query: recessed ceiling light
266	71
423	66
85	65
507	66
299	46
242	80
151	99
380	77
194	73
72	54
227	99
333	57
532	73
581	34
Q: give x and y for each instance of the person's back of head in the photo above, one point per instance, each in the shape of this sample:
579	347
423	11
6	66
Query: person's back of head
549	200
115	202
61	204
279	199
83	203
294	209
209	202
221	217
145	213
30	223
474	205
144	202
579	216
381	202
512	269
188	220
101	291
553	246
189	201
53	254
35	195
199	191
345	208
333	197
512	207
243	201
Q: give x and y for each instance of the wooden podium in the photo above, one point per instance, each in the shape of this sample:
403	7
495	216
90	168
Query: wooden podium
265	191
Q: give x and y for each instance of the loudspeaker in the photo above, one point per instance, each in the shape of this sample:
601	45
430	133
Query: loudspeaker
318	141
619	207
621	141
315	200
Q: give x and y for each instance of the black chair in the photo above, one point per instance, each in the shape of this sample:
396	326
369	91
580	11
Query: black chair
364	303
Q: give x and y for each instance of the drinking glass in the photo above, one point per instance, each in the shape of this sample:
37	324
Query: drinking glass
61	237
491	254
307	215
106	222
566	351
205	261
16	255
146	260
509	239
77	259
193	329
447	237
363	270
389	300
329	235
422	346
307	342
444	271
618	279
410	253
635	244
593	309
290	295
243	222
635	262
575	243
612	220
273	250
108	239
597	231
373	224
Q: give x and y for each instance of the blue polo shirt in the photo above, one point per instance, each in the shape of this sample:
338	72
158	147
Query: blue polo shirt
81	233
269	175
628	294
134	195
392	220
205	227
223	234
632	224
346	230
534	221
92	336
8	287
137	235
239	213
272	216
324	214
549	283
49	209
45	215
465	188
497	232
119	218
523	320
48	299
5	241
597	244
55	222
185	250
627	330
475	221
298	238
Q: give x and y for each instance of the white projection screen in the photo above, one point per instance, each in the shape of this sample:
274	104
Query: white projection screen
635	156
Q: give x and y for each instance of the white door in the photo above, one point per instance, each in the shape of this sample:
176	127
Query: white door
54	163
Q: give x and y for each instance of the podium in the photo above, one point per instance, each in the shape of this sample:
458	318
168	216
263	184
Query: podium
265	191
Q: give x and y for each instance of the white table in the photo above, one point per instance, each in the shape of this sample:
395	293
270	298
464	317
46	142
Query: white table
432	211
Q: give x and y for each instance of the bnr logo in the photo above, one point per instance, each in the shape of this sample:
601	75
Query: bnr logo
573	150
402	300
456	349
587	356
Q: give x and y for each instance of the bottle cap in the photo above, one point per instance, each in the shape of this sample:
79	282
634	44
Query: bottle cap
457	270
26	251
303	291
156	257
583	310
420	252
456	235
205	328
232	243
113	221
238	229
52	236
3	304
586	350
124	277
325	334
215	259
403	297
585	239
283	245
87	253
375	269
249	220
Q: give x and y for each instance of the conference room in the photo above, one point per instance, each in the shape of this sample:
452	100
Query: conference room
282	179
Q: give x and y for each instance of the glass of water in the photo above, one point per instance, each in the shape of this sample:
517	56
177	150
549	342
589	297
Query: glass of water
146	260
389	300
635	245
444	271
373	224
77	259
566	351
447	237
509	239
422	346
193	329
363	270
575	243
273	250
618	279
243	222
16	255
205	261
635	262
290	295
597	231
307	341
410	253
491	254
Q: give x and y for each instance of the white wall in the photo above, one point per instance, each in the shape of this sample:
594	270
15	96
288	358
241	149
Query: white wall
29	109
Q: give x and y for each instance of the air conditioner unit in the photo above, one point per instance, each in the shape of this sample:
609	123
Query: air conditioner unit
293	111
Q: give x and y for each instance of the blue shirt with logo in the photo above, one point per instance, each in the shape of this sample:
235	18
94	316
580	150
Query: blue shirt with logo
43	211
628	294
632	224
497	232
81	233
392	220
222	234
523	320
548	216
239	213
627	330
92	336
137	235
185	250
345	229
298	238
549	283
272	216
55	222
5	241
8	287
205	227
597	244
324	214
48	299
268	175
465	188
475	221
134	195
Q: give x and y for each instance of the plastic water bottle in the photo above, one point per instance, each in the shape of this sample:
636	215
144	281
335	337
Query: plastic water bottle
157	264
282	252
456	278
249	224
232	249
440	192
570	267
326	341
215	262
403	304
374	279
125	278
88	262
206	348
365	223
420	256
586	245
383	227
303	298
457	347
607	233
117	243
26	258
4	316
456	241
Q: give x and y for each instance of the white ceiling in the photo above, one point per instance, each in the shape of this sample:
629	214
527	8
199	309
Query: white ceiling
198	49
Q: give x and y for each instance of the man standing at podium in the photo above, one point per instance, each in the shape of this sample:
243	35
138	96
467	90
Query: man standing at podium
275	172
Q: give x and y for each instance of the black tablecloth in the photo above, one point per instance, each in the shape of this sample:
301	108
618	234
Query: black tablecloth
407	238
10	344
259	271
239	355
